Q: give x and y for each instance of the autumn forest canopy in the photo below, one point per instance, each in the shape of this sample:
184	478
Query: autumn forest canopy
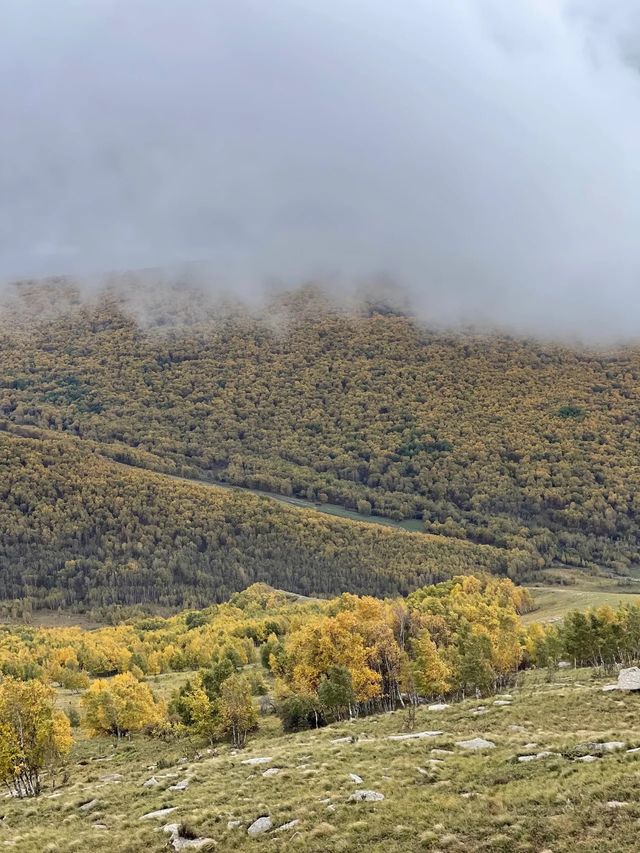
513	455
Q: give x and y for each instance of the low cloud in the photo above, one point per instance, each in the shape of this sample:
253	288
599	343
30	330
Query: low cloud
483	154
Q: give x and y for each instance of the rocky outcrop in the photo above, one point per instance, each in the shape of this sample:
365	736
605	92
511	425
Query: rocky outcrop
629	679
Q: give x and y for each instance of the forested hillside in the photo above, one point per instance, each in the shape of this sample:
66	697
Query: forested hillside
81	530
515	443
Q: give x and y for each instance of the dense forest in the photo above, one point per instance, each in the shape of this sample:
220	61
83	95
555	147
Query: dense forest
514	443
81	530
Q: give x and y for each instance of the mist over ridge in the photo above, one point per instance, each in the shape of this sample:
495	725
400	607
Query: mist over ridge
480	154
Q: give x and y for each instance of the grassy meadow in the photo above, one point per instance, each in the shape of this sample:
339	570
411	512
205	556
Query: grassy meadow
437	796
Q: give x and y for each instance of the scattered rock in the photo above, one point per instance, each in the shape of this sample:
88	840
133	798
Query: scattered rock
159	813
635	749
86	807
286	826
272	771
234	824
261	825
355	779
252	761
608	687
475	743
587	759
564	664
331	807
608	746
112	777
414	735
100	826
502	702
616	804
538	755
181	786
366	796
343	739
438	706
442	752
180	843
629	679
151	783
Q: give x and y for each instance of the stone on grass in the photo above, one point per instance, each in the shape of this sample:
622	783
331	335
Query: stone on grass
151	783
286	826
608	746
366	797
438	706
159	813
112	777
234	824
179	843
259	826
609	687
475	743
629	679
587	759
564	664
260	760
537	756
355	778
272	771
616	804
99	826
348	739
180	786
86	807
502	702
442	752
635	749
414	735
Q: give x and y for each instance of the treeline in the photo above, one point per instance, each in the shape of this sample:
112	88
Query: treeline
600	637
310	662
513	443
329	659
78	530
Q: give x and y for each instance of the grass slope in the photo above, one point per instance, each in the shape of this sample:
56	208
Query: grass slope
456	802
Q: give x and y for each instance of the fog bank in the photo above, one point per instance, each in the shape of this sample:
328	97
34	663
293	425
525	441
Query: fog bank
482	154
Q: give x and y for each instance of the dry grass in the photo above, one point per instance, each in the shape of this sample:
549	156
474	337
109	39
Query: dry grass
468	802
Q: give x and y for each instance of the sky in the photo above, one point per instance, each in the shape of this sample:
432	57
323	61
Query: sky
484	155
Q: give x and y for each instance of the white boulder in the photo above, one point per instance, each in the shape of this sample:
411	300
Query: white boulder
629	679
476	743
260	826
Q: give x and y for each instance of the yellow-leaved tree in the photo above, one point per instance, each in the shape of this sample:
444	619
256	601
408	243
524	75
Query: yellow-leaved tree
120	705
237	712
34	735
432	673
